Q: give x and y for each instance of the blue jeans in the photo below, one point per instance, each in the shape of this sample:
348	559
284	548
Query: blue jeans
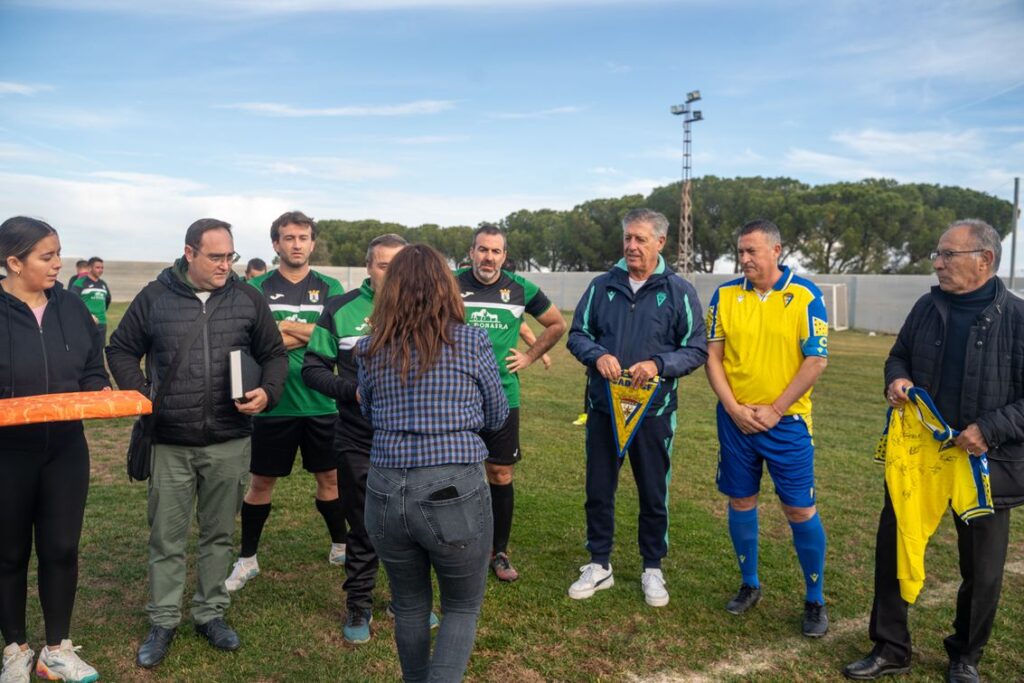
413	533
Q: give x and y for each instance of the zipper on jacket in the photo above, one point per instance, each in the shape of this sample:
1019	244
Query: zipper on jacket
46	385
208	394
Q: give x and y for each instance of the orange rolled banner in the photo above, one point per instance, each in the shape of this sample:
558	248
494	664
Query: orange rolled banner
78	405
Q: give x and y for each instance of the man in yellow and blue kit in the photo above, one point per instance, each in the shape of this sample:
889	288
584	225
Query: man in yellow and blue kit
767	346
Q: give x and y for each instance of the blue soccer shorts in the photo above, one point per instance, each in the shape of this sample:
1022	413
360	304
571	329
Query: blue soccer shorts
786	448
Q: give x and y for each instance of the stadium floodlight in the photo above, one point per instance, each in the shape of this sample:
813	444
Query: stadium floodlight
684	262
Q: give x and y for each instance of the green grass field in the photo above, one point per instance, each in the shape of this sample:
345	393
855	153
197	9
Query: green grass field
290	617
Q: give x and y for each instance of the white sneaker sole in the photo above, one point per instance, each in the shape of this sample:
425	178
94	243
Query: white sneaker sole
583	594
233	587
655	602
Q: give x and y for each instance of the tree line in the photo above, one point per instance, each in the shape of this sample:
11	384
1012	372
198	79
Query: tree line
870	226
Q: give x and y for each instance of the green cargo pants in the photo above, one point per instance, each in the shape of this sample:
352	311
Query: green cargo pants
213	480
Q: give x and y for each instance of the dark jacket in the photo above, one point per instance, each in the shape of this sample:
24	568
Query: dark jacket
65	355
662	322
197	409
993	383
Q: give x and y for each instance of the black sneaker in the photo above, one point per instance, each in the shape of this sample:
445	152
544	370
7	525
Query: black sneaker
154	647
959	672
747	597
815	620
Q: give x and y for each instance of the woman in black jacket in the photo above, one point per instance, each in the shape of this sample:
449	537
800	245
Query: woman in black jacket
48	344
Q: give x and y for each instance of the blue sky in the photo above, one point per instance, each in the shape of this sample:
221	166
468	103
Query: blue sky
121	121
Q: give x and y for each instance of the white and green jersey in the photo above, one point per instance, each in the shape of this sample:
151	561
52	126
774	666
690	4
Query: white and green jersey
498	308
300	302
96	296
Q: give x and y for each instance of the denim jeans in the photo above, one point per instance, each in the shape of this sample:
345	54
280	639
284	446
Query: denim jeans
413	533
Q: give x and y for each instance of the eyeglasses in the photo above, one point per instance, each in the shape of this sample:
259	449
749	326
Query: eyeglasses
230	258
947	254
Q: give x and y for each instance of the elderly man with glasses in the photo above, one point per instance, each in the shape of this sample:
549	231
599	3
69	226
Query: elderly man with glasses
200	309
963	343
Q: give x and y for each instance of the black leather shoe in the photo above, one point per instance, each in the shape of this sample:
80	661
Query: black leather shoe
154	648
962	673
747	597
873	666
220	635
815	620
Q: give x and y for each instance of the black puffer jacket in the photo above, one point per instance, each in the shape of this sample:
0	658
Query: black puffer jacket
65	355
993	383
197	409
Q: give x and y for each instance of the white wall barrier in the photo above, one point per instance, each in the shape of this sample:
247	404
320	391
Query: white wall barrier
874	302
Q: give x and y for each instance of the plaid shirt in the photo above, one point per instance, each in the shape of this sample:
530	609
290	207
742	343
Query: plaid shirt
433	420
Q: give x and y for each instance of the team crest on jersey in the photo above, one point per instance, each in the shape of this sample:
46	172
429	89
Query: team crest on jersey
820	327
661	298
487	320
314	296
506	295
739	299
787	299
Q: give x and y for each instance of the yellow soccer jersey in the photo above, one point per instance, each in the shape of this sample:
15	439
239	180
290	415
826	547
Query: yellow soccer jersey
926	473
767	336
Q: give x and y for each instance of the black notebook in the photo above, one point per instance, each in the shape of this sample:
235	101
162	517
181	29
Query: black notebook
246	373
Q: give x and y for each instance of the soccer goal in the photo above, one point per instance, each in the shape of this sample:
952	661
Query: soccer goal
837	305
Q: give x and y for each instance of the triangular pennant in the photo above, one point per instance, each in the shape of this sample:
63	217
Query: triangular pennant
629	404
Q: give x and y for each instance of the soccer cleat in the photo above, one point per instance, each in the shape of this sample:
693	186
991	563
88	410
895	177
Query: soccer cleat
746	597
593	578
357	626
815	620
503	568
337	554
653	584
434	621
64	664
17	664
581	420
245	568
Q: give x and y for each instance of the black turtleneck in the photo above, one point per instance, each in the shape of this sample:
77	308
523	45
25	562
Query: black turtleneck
964	310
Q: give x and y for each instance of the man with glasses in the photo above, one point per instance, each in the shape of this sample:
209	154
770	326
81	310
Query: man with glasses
304	419
963	342
201	447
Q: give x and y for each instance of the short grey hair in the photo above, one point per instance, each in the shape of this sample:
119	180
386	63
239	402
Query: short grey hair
657	221
763	226
386	240
984	237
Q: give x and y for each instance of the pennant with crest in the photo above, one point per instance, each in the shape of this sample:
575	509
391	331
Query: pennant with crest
629	404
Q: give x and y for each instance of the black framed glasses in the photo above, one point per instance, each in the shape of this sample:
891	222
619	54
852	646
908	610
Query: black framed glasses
230	258
947	254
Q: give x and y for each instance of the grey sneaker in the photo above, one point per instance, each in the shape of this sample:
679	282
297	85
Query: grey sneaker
64	664
17	664
815	620
746	597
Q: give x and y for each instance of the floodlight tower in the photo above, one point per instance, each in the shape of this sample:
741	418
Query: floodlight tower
685	260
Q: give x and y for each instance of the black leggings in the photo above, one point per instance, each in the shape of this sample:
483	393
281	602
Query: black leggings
42	491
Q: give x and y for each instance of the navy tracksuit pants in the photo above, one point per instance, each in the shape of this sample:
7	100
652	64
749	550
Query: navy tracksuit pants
650	458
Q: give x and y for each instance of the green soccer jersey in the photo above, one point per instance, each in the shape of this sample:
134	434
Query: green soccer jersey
498	308
300	302
96	296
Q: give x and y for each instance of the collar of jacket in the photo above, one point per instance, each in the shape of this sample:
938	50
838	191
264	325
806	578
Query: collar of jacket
993	310
366	289
660	270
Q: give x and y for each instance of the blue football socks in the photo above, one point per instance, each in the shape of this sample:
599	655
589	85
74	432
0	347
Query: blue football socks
743	530
809	541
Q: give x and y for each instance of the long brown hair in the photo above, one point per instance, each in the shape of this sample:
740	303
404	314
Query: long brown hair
415	310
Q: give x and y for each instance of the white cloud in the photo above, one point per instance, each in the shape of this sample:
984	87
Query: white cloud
605	170
328	168
426	139
541	114
631	186
288	111
12	88
75	117
238	7
917	145
829	165
616	68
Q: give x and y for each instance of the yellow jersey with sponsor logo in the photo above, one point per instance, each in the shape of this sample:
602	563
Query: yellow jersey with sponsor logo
767	335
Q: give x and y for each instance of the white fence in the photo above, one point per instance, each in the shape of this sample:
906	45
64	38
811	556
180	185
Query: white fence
873	302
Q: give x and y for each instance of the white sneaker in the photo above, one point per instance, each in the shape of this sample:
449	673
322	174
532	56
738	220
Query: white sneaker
337	554
17	664
245	568
593	578
64	664
653	584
